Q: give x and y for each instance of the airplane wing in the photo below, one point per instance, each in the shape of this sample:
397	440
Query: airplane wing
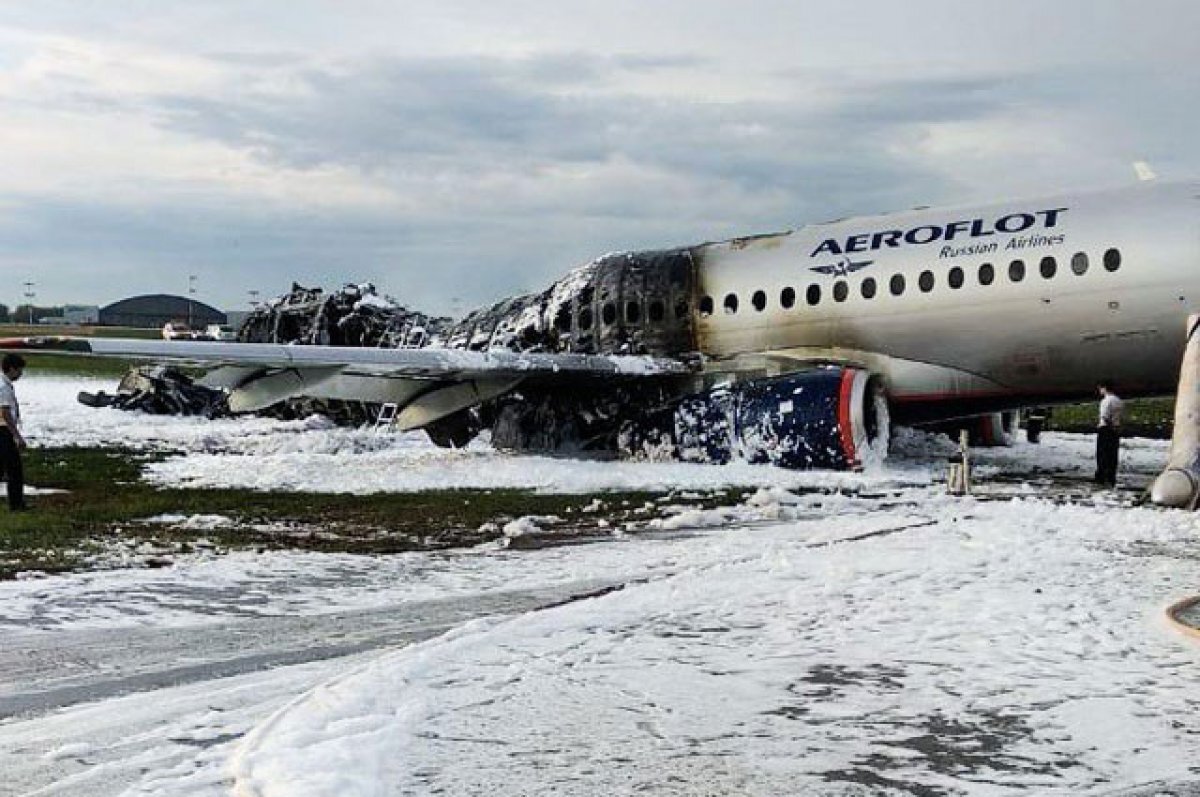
426	384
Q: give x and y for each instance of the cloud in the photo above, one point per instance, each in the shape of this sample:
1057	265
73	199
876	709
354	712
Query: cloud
457	155
468	123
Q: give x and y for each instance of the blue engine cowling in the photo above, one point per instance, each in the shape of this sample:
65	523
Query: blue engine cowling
827	417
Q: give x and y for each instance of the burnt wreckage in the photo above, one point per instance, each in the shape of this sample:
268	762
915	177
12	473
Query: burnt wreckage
635	303
632	303
353	316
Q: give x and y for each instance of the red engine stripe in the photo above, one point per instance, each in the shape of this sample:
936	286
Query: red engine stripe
845	429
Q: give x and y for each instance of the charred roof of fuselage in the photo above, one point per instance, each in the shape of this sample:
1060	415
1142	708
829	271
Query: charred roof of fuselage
355	315
621	303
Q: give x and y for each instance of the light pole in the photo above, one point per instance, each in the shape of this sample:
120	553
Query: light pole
253	298
29	294
191	296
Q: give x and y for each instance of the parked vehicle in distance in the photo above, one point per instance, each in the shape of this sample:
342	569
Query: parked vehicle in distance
177	330
220	332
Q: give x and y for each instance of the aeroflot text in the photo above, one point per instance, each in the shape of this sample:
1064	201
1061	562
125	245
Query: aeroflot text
928	233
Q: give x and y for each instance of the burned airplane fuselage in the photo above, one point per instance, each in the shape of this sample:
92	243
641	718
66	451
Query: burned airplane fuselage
626	303
647	303
630	303
353	316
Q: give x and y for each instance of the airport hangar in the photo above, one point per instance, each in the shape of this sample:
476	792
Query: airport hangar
155	309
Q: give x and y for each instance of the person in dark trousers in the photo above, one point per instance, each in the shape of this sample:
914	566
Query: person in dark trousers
11	441
1108	435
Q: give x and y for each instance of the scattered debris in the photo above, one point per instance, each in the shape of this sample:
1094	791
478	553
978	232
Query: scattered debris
161	390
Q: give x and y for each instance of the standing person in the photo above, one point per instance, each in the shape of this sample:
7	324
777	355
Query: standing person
1108	435
11	441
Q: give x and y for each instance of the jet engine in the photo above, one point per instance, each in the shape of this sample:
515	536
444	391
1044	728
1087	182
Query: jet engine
830	417
827	417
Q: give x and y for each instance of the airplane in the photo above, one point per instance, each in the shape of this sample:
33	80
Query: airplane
758	348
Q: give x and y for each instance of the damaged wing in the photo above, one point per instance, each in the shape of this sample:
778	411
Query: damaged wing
426	384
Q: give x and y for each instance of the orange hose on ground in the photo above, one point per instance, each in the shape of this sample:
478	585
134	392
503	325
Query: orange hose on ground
1177	608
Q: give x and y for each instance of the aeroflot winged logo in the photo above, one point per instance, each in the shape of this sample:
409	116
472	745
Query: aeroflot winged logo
842	267
1010	224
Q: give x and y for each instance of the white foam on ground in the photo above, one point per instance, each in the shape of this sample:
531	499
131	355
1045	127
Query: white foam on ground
798	644
1004	648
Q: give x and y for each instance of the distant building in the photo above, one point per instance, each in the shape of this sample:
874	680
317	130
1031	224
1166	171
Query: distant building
80	314
154	310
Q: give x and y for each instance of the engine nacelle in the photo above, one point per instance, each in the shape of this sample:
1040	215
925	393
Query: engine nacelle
829	417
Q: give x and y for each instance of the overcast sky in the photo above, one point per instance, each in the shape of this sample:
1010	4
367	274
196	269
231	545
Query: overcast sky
456	151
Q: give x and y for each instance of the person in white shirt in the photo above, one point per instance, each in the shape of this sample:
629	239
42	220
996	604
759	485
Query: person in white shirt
11	440
1108	435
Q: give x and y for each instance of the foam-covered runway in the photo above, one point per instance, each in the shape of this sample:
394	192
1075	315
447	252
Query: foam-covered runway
881	639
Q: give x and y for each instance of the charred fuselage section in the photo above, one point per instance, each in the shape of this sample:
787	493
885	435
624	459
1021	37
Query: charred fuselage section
630	303
626	303
356	315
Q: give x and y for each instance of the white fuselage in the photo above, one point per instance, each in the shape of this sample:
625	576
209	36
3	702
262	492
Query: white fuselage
1049	335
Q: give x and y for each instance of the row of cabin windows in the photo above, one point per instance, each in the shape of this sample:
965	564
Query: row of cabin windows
656	312
956	278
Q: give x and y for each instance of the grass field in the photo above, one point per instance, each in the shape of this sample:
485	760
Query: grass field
105	505
85	331
1148	417
66	364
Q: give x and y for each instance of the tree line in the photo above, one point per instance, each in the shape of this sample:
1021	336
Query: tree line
21	313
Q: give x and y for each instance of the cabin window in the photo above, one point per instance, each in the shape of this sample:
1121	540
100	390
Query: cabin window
868	288
897	284
1079	263
841	289
657	311
609	314
955	278
787	298
925	281
731	303
706	306
1016	270
1112	260
633	312
585	318
987	274
813	294
759	300
562	318
1048	267
681	309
